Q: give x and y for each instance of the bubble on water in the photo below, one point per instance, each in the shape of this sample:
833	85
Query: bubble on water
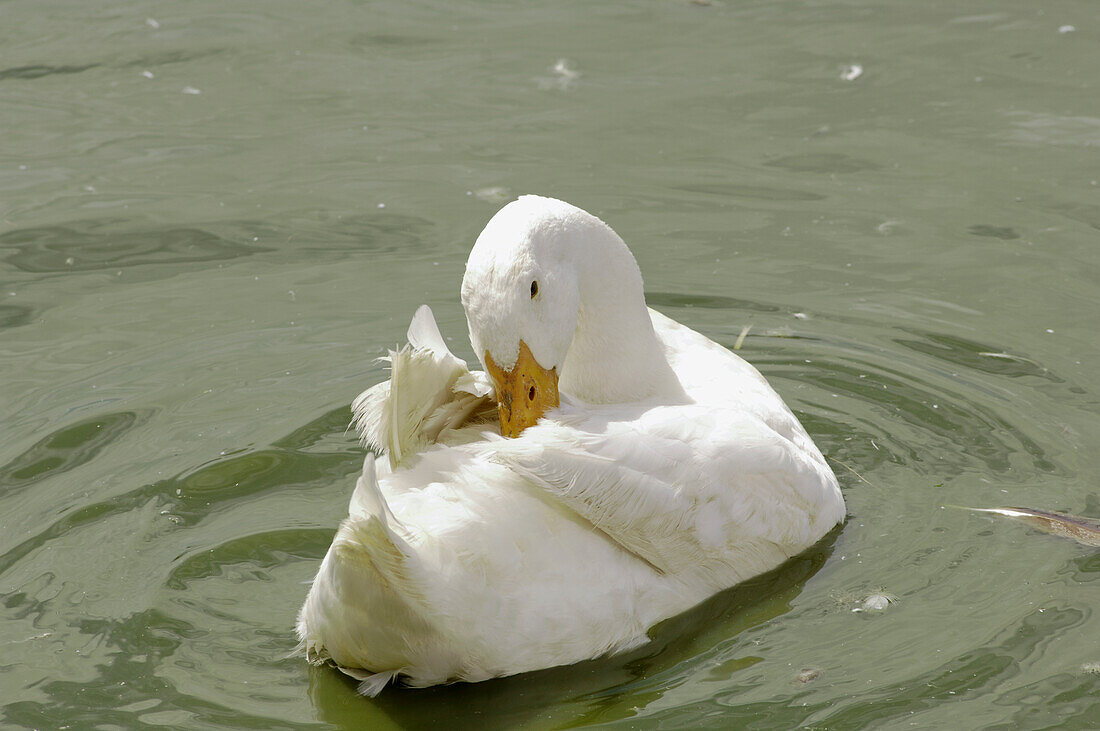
1066	29
191	90
152	23
147	74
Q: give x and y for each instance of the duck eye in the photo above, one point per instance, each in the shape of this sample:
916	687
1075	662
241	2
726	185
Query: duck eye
531	394
534	288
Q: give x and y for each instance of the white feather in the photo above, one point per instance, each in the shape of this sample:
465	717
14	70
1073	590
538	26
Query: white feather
429	392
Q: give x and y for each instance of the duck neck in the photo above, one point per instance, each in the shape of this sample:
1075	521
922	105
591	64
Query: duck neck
615	356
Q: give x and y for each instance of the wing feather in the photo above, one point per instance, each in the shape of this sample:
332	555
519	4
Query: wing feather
689	495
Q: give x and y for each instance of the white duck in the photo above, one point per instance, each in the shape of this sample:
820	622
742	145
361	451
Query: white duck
669	471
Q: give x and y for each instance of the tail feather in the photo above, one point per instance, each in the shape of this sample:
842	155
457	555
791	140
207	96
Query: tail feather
423	334
429	391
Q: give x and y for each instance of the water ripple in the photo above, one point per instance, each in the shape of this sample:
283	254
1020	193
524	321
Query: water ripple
67	448
100	244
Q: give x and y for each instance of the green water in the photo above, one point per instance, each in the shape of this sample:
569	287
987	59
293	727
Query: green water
214	215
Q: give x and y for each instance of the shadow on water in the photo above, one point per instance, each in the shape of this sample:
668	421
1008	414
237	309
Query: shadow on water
596	691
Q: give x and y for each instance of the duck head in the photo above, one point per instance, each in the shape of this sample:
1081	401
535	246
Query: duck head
554	300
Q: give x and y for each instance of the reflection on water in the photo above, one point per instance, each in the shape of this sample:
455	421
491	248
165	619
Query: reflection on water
597	691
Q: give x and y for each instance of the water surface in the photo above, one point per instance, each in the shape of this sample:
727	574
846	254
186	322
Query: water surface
215	215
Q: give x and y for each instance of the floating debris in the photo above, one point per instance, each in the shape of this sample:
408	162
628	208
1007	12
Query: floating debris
563	76
561	68
152	23
875	603
852	72
494	194
147	74
191	90
1085	531
741	337
808	675
1066	29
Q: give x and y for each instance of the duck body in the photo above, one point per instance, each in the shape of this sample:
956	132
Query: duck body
467	555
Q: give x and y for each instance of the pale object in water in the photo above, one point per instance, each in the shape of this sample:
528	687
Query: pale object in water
876	602
852	72
1085	531
807	675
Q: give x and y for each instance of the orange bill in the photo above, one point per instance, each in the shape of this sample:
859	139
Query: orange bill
523	393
